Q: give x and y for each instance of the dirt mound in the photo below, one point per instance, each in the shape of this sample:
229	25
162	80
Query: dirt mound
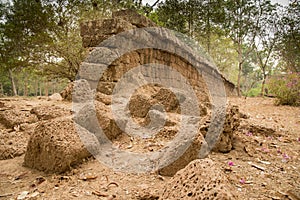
66	93
54	146
201	179
223	144
13	117
12	144
49	112
230	127
258	129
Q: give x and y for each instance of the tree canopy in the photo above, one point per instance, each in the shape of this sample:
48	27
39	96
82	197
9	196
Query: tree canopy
249	40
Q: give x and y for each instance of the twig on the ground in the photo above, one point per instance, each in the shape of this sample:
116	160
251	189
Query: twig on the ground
6	195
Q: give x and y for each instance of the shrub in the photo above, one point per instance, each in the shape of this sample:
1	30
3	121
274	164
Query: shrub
254	92
286	89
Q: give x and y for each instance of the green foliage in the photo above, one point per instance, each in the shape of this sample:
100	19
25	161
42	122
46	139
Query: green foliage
98	9
253	92
286	88
227	64
46	44
289	33
171	14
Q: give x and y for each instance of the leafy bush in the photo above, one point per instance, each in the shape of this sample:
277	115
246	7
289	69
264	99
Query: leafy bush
254	92
286	88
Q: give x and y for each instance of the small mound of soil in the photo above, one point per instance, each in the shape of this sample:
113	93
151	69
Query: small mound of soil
12	144
55	146
47	112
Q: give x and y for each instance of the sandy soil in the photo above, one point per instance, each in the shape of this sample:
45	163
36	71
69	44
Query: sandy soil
264	163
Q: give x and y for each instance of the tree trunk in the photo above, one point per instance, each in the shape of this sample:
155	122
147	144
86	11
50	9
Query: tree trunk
208	28
1	89
239	80
263	85
240	70
13	84
54	87
25	93
46	88
40	89
36	88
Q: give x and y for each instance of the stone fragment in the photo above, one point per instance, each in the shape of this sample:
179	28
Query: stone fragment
189	155
96	31
55	97
134	18
55	146
231	124
201	179
66	93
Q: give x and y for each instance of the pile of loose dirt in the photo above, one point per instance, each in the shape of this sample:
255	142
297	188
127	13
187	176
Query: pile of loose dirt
55	146
18	119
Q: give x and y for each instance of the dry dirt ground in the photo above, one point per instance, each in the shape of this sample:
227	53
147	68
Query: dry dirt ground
264	164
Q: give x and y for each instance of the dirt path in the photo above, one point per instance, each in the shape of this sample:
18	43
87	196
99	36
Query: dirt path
264	164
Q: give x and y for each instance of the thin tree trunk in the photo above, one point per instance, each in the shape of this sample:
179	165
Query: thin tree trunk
2	90
239	80
208	28
40	89
263	85
13	84
36	88
46	88
240	70
25	93
54	86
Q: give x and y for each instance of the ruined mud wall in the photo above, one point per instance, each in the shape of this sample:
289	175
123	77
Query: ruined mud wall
96	31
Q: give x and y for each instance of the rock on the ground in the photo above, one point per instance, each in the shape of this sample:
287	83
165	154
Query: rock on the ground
55	97
201	179
189	155
231	125
55	146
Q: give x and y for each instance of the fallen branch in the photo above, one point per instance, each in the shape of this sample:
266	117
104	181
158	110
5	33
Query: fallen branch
6	195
